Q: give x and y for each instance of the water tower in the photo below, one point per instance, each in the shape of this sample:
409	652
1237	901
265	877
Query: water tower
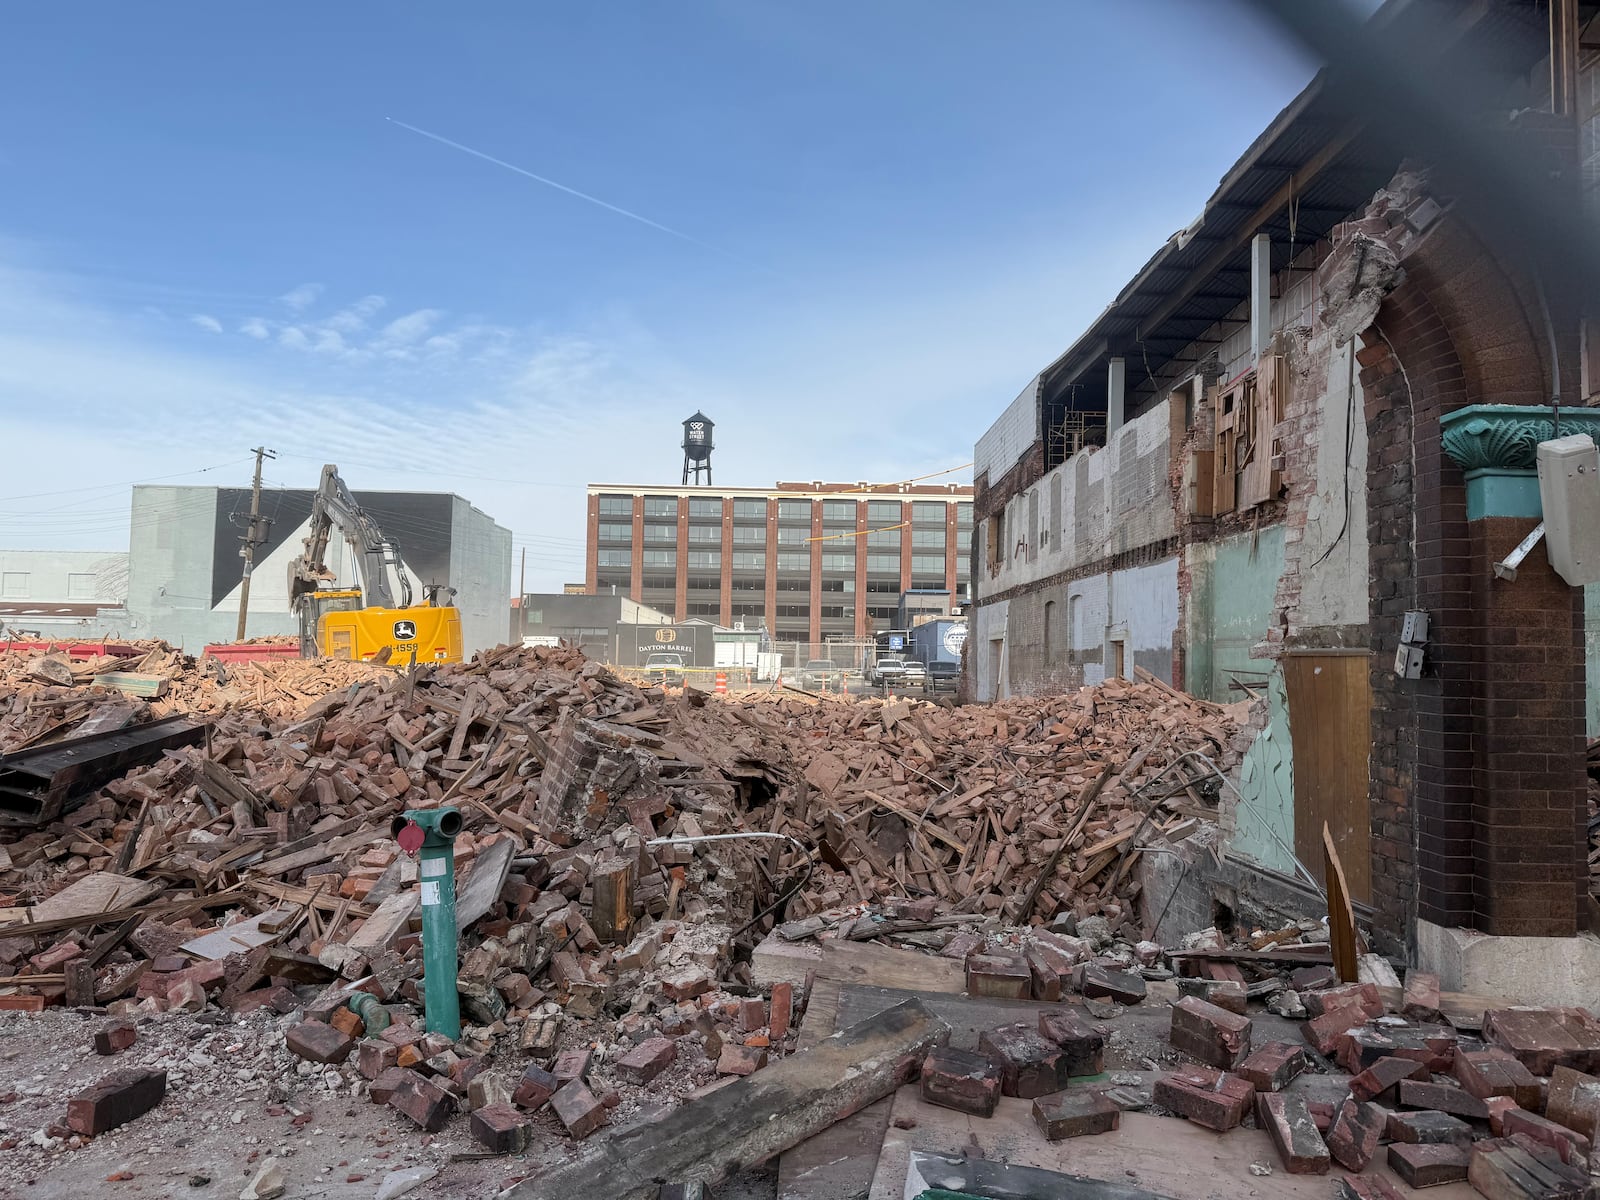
697	447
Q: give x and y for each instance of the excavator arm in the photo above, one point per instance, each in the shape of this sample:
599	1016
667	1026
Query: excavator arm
334	507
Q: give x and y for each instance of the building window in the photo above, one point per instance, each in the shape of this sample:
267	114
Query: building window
790	583
993	535
660	558
790	561
750	535
964	514
608	581
889	587
926	512
794	610
881	612
1052	635
705	508
747	583
706	533
608	558
80	586
749	610
929	539
928	564
930	584
794	510
838	585
661	533
696	608
839	512
838	612
661	583
883	562
840	562
884	510
704	559
661	506
750	508
884	539
615	532
616	506
964	541
793	535
750	560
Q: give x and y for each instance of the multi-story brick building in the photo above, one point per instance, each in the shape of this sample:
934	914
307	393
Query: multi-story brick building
812	562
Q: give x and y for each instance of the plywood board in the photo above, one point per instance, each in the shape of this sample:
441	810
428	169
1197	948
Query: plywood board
1330	705
238	938
1166	1155
97	893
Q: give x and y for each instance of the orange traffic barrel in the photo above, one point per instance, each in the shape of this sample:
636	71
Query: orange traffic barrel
722	683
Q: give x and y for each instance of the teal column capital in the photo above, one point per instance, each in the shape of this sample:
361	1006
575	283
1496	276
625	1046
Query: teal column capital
1496	446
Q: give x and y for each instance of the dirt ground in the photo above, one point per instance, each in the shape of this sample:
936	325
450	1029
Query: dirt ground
235	1097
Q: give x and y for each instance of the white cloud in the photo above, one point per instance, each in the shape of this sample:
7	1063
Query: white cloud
406	330
257	328
354	319
294	338
209	324
329	342
301	298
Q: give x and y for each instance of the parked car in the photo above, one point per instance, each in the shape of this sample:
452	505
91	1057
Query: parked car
942	677
664	667
888	669
822	674
916	675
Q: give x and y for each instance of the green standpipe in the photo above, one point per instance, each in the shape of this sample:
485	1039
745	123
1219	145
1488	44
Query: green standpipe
433	832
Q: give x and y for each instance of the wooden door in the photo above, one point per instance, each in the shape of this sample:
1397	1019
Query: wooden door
1330	704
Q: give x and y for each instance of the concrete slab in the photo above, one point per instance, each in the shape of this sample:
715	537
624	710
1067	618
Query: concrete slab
1164	1155
1553	971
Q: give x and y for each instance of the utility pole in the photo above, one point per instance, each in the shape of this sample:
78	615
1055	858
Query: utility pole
253	537
522	598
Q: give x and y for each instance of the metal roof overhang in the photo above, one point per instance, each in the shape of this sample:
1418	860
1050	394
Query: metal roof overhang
1313	167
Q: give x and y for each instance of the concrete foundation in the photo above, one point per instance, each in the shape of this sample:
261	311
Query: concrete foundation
1530	970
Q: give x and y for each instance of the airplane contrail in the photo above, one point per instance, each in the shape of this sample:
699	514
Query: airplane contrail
561	187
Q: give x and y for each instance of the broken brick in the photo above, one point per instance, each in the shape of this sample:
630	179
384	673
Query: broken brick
1494	1072
578	1108
1107	983
424	1101
1517	1168
1270	1068
1498	1107
347	1023
1421	999
1428	1166
1323	1033
961	1080
1004	976
647	1060
374	1057
1442	1097
1367	1187
1215	1099
115	1100
500	1129
116	1037
1574	1101
1215	1036
1051	970
571	1064
318	1042
1435	1048
741	1060
1543	1039
1030	1065
386	1084
535	1087
484	1091
1362	995
1082	1048
1288	1121
1426	1128
752	1014
1308	979
1572	1147
1353	1136
686	984
1382	1076
1075	1113
781	1011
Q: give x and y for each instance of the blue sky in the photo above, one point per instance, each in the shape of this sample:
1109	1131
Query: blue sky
213	235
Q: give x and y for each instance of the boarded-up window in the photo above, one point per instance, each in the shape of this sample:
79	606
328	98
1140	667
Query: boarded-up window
1055	510
1033	525
14	585
80	585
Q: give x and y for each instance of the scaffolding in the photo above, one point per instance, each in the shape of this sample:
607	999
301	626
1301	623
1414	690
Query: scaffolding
1073	432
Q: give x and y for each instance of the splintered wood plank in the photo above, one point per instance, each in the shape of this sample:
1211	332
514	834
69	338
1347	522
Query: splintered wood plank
97	893
1341	918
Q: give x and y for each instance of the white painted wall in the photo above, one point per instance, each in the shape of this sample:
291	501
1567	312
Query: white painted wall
987	626
64	576
1011	436
1334	590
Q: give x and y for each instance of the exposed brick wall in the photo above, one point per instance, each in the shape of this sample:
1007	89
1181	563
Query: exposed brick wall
1531	837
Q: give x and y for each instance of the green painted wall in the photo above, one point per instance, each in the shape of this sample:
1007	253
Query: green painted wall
1232	585
1591	646
1264	820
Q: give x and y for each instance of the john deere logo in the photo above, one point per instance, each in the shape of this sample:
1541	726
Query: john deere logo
666	635
405	631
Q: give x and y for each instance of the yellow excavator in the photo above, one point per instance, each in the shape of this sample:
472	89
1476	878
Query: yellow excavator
363	623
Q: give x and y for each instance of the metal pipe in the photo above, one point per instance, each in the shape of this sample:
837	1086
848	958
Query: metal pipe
432	831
